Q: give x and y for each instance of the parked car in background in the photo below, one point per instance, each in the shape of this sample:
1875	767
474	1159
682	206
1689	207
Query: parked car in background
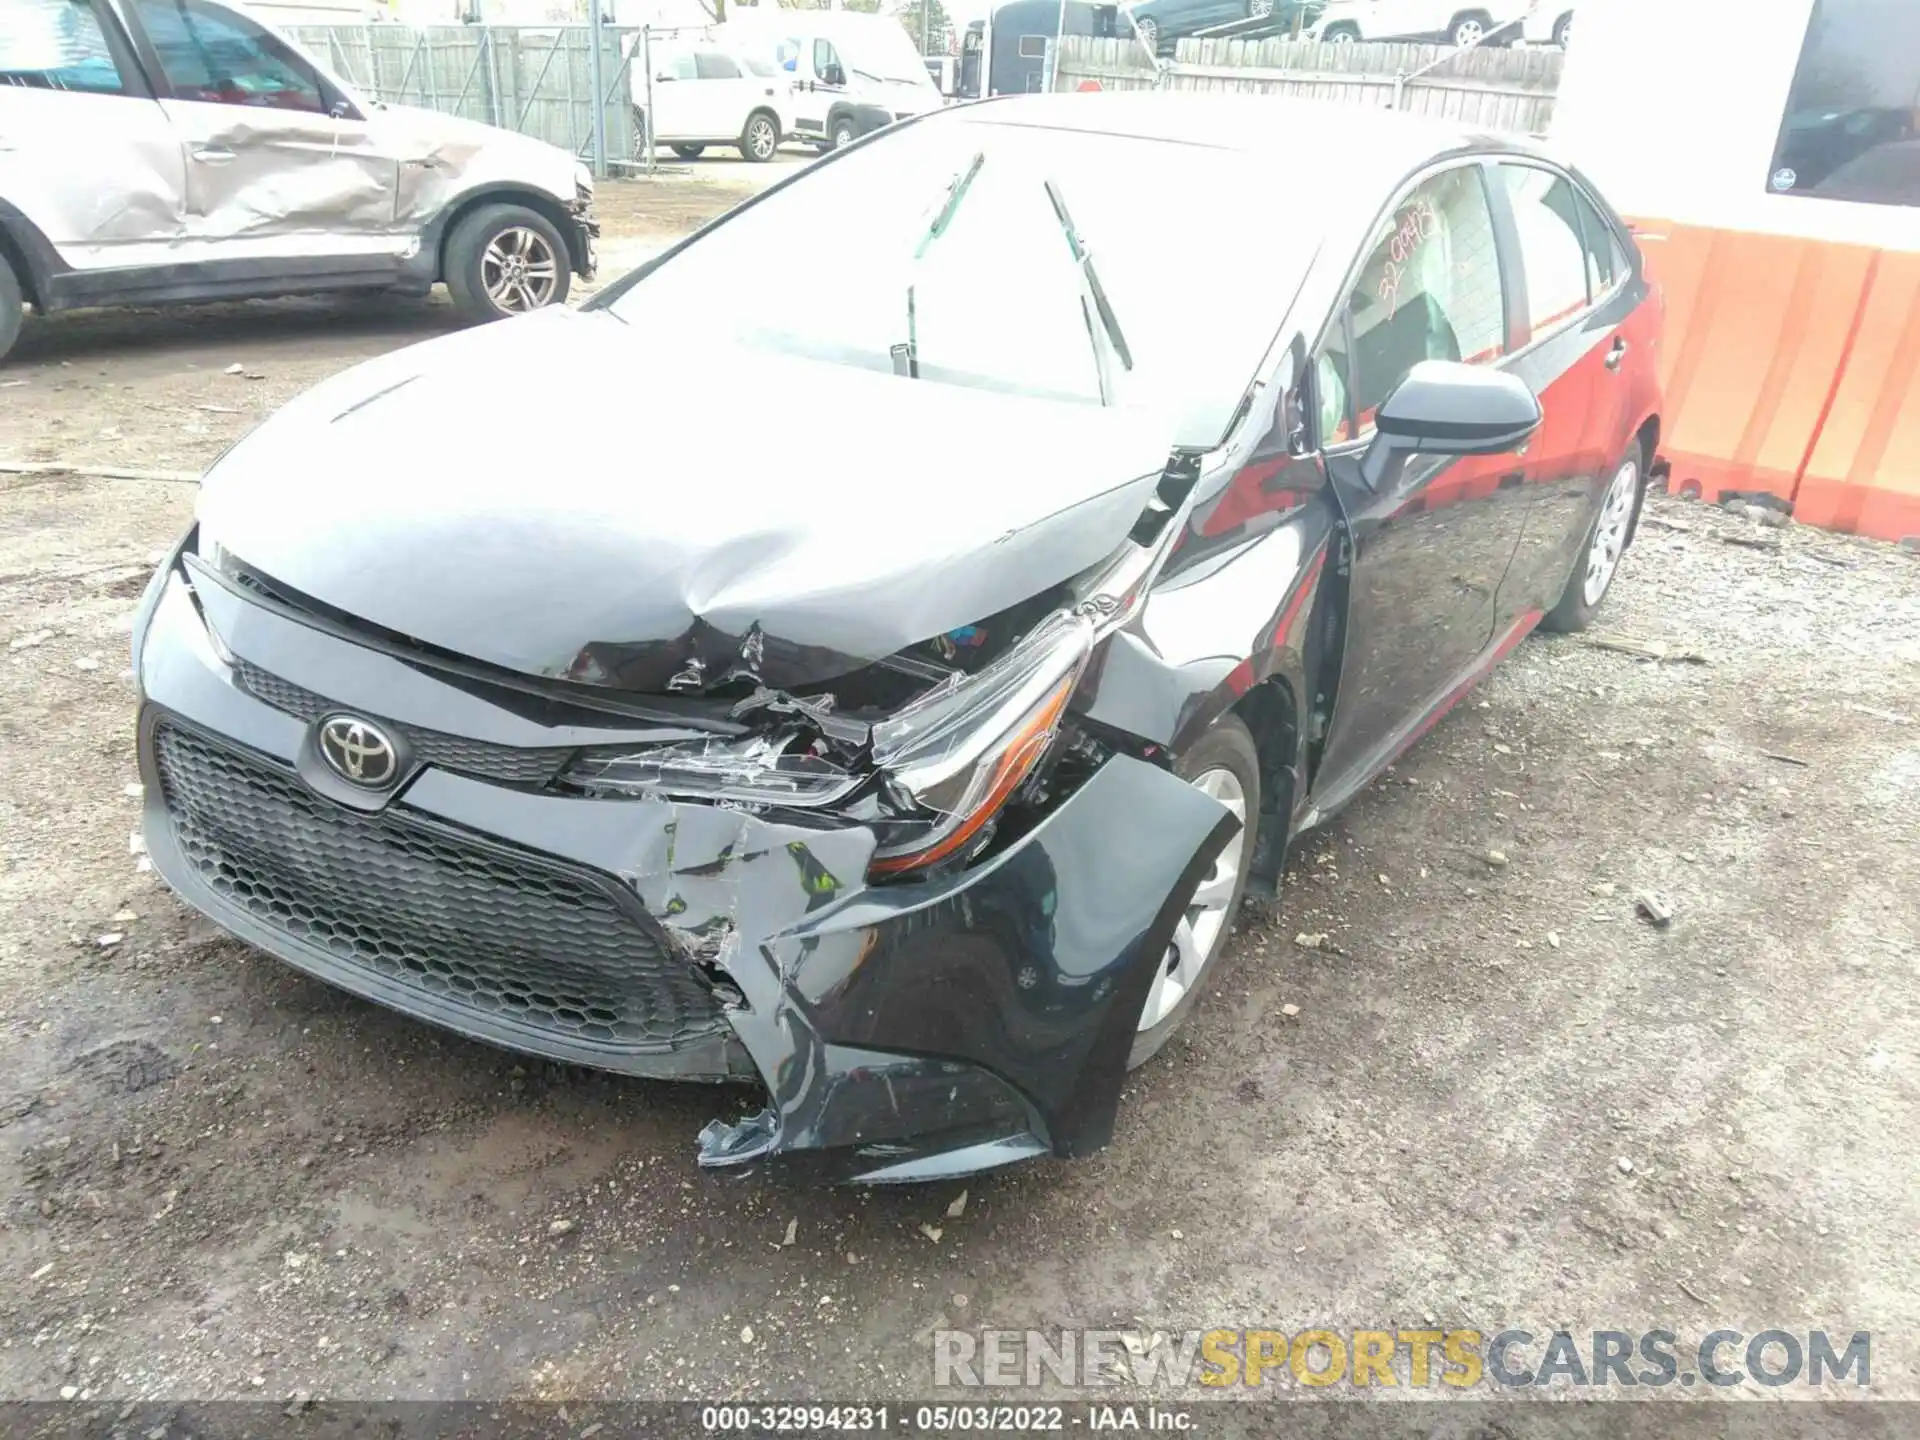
1548	22
706	94
850	72
1161	22
907	749
1453	22
176	150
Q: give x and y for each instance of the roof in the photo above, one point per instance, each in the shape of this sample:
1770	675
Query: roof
1370	137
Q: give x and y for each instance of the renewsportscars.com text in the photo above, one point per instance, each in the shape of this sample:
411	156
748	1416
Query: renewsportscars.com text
1514	1358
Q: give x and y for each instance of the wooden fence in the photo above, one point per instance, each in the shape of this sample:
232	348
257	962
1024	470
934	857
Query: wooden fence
1487	86
538	80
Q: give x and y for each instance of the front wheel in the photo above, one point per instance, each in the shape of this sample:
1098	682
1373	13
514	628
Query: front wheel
1342	35
1563	30
12	307
506	260
761	138
1224	764
688	152
1259	9
844	133
1150	33
1600	558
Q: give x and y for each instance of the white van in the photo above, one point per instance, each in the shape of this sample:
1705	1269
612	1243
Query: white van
851	72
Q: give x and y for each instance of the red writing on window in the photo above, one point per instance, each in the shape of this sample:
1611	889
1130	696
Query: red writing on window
1419	222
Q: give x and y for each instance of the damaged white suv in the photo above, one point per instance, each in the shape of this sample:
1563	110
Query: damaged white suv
154	151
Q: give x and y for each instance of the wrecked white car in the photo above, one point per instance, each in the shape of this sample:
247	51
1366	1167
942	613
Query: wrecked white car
154	151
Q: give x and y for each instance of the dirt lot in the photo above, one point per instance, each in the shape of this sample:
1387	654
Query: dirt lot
1503	1100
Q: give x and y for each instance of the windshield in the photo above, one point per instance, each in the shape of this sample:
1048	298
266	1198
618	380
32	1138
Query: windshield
1192	249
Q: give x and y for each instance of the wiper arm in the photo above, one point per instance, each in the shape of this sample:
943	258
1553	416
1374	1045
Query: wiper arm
906	358
1094	303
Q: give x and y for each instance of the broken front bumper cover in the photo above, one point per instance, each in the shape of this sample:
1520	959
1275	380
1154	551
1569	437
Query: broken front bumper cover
901	1032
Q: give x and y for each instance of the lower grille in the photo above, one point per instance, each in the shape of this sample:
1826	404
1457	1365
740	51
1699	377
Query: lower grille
491	931
506	764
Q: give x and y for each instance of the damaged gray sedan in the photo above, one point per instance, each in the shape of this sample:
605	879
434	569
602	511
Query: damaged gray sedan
887	696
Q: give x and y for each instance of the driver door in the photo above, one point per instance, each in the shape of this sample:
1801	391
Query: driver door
1433	538
278	160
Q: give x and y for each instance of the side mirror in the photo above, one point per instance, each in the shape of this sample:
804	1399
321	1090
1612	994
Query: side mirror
1446	408
833	75
662	77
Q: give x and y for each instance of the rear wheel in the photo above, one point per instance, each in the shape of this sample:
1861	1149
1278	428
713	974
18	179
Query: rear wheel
1563	29
1342	34
506	260
843	134
12	307
1150	33
761	138
1259	9
1600	558
1224	764
689	152
1469	28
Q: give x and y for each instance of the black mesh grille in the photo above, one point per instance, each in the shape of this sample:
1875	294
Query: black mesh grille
507	764
490	930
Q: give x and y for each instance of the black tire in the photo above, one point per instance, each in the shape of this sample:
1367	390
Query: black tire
467	260
1562	28
12	307
1150	33
1458	26
1573	612
688	152
1342	34
1228	745
760	140
1259	9
842	133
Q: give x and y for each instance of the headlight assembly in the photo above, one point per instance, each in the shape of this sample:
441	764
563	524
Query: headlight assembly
961	750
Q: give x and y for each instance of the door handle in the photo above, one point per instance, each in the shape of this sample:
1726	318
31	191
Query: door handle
1617	353
213	154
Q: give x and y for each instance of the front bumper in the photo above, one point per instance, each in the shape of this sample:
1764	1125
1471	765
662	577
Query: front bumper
901	1032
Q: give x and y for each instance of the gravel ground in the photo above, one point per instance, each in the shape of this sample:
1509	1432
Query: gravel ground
1490	1096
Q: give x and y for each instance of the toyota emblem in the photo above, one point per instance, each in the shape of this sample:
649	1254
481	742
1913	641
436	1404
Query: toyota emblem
358	751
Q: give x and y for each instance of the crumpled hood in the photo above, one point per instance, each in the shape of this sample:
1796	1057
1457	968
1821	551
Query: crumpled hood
565	496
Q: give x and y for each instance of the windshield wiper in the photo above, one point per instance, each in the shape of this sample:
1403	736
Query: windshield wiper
906	358
1094	302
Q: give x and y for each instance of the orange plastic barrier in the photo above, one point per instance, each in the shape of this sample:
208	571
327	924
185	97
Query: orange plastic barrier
1787	367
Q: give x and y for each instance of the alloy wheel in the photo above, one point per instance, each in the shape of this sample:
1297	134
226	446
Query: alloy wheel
520	270
760	138
1203	926
1610	532
1259	8
1150	34
1468	32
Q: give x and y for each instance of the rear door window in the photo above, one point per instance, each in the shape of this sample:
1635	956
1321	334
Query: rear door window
1429	289
712	65
1606	262
217	56
56	45
1546	218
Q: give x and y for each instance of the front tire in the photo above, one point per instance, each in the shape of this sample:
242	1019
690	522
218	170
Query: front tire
688	152
506	260
1605	545
761	139
843	134
1150	34
12	307
1563	29
1342	35
1225	764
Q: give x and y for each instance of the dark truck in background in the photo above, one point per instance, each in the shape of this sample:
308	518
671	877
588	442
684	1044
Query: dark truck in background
1012	46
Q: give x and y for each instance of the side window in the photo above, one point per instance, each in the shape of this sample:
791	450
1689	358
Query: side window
1547	219
787	53
683	68
56	45
1849	129
712	65
1604	259
1429	290
212	54
1033	47
824	55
